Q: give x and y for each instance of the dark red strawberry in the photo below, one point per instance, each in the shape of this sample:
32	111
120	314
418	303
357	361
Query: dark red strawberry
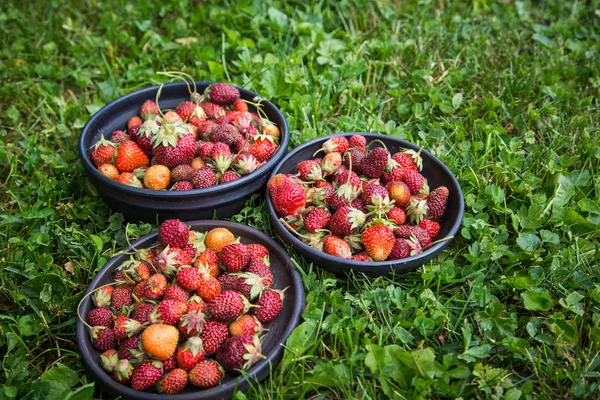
414	180
239	353
222	93
213	335
358	142
250	285
142	311
257	266
363	257
173	233
225	133
436	202
103	338
234	257
183	185
404	248
212	110
317	218
355	157
373	194
269	304
146	375
122	296
203	148
204	177
227	281
375	162
101	317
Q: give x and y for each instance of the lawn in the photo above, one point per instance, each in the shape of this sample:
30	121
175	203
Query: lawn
504	92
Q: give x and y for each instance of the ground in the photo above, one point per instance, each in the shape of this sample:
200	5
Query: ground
504	92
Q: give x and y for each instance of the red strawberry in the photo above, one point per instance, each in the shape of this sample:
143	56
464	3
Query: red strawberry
195	303
128	178
399	192
288	198
396	215
130	348
347	177
146	375
122	371
378	241
436	202
240	105
145	134
359	204
177	292
191	323
209	288
212	110
358	141
431	227
173	233
170	363
190	354
239	353
122	297
335	144
104	152
134	121
206	374
149	110
309	170
168	312
361	257
204	177
109	359
103	338
228	306
269	305
257	266
173	382
222	93
336	246
155	287
208	261
126	327
245	325
263	148
317	218
234	257
203	149
396	174
409	159
227	281
189	278
331	163
182	185
101	317
375	162
130	156
102	296
404	248
346	220
414	180
355	157
373	194
142	311
257	250
213	334
228	176
174	145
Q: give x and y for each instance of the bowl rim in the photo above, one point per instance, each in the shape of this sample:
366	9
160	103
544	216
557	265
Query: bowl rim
375	265
169	194
104	379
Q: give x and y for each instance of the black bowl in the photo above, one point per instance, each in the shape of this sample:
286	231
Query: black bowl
145	204
434	170
284	274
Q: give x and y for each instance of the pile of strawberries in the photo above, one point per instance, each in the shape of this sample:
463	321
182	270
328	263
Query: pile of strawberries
210	140
360	203
168	309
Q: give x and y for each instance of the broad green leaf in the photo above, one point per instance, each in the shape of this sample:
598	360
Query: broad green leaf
41	285
537	301
476	352
457	100
375	358
528	242
61	378
85	392
301	338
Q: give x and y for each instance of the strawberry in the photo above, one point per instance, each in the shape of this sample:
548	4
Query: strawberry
183	172
183	185
378	241
155	287
228	305
240	105
404	248
102	296
257	250
257	266
309	170
373	194
335	144
225	133
128	178
134	121
122	371
104	152
171	117
410	231
416	210
395	174
191	323
103	338
409	159
130	156
212	110
269	304
121	296
142	311
288	198
188	111
375	162
263	147
358	142
173	382
399	192
168	312
227	281
213	334
109	359
346	221
170	363
363	257
245	325
436	202
331	163
157	177
250	285
160	340
221	157
189	278
209	262
174	145
359	204
347	177
195	303
149	110
119	137
204	128
133	132
130	348
217	238
222	93
203	149
396	215
336	246
101	317
146	375
209	288
204	177
206	374
317	218
431	227
239	353
228	176
414	180
173	233
234	257
134	270
145	134
109	170
352	159
190	353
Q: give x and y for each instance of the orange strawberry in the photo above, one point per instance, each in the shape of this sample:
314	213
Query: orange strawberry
240	105
218	238
245	325
109	171
160	340
130	156
379	241
157	177
134	121
209	288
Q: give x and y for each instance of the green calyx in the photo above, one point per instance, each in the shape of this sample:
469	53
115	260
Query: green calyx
170	134
149	128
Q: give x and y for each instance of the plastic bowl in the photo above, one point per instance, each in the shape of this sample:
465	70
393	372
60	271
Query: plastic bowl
146	205
284	274
434	170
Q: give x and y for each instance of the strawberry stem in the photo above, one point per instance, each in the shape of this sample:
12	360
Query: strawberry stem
376	141
439	241
88	295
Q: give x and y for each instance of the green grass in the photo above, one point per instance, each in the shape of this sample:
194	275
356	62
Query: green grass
506	93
